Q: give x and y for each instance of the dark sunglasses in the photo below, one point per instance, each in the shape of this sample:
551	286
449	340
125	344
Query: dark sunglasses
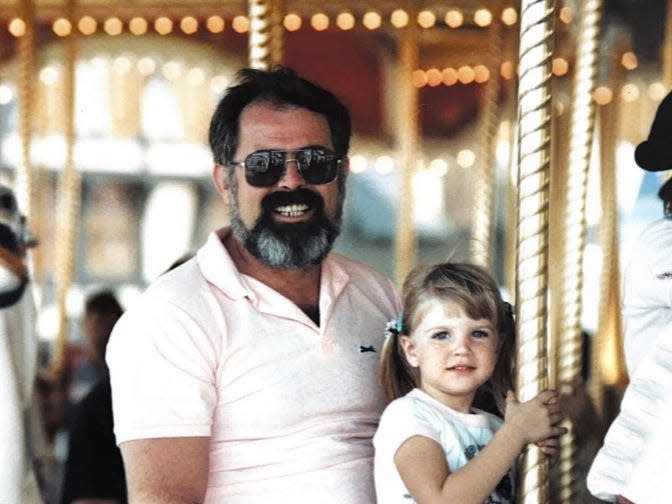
317	165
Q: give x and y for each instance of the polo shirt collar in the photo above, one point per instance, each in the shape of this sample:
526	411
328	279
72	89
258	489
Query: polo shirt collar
219	269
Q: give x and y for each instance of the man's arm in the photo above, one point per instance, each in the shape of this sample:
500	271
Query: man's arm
166	470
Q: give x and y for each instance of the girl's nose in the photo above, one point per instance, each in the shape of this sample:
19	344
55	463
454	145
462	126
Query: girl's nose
461	345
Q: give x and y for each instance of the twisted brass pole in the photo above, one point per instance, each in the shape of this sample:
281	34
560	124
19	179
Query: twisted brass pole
484	202
68	199
407	137
265	37
582	127
24	183
534	146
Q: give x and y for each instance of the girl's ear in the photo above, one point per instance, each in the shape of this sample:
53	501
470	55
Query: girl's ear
408	346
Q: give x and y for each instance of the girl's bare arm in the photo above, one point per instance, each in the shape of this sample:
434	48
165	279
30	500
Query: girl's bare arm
421	461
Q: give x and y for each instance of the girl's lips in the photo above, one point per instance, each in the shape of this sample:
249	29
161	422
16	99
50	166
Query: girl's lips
461	367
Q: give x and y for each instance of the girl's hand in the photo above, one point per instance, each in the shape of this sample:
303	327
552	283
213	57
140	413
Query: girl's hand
551	448
536	419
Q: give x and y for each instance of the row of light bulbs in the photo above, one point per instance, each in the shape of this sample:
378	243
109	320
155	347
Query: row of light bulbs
385	164
371	20
433	77
479	74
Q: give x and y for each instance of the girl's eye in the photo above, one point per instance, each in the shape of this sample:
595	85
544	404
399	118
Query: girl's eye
441	335
480	334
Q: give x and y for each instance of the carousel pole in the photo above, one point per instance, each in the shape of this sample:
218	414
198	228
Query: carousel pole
68	199
484	205
608	339
667	48
557	202
582	127
608	372
667	61
266	31
23	185
509	189
534	134
407	138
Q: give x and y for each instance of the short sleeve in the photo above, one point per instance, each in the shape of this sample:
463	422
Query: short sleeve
398	423
163	373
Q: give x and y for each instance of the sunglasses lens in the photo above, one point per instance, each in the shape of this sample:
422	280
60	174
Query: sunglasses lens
317	165
264	168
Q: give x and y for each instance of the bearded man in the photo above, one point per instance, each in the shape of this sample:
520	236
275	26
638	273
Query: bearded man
249	373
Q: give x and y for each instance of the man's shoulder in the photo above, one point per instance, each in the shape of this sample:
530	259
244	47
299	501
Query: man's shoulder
184	271
358	269
184	288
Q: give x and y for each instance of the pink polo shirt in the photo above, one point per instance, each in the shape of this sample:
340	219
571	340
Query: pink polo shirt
290	407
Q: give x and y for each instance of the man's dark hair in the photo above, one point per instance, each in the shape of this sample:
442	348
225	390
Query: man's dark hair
104	303
282	87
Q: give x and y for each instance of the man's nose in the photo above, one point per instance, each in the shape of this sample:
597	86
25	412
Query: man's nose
292	178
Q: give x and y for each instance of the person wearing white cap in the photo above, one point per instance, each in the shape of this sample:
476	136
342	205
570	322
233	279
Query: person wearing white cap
637	447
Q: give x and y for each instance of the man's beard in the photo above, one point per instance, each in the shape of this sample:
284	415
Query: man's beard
288	245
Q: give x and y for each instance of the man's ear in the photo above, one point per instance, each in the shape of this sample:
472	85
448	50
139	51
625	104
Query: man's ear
408	346
221	179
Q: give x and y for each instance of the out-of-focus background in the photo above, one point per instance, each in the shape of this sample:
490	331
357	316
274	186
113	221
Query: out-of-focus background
105	106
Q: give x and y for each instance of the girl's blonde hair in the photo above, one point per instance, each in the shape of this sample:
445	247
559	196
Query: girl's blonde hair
474	289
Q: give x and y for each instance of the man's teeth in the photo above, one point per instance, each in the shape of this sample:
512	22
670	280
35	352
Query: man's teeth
292	210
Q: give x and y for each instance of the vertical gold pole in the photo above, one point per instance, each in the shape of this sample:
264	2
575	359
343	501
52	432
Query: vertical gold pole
534	114
667	62
277	32
667	48
558	197
265	38
608	362
609	332
510	193
581	138
23	185
68	199
407	129
509	88
484	203
25	176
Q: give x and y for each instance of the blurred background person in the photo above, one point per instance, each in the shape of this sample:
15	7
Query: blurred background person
101	312
94	471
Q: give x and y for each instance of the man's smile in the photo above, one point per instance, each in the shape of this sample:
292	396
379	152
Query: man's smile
294	210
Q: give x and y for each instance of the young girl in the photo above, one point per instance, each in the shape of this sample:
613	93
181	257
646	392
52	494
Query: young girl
448	354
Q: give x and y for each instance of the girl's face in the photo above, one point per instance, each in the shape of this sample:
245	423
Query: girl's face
454	354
